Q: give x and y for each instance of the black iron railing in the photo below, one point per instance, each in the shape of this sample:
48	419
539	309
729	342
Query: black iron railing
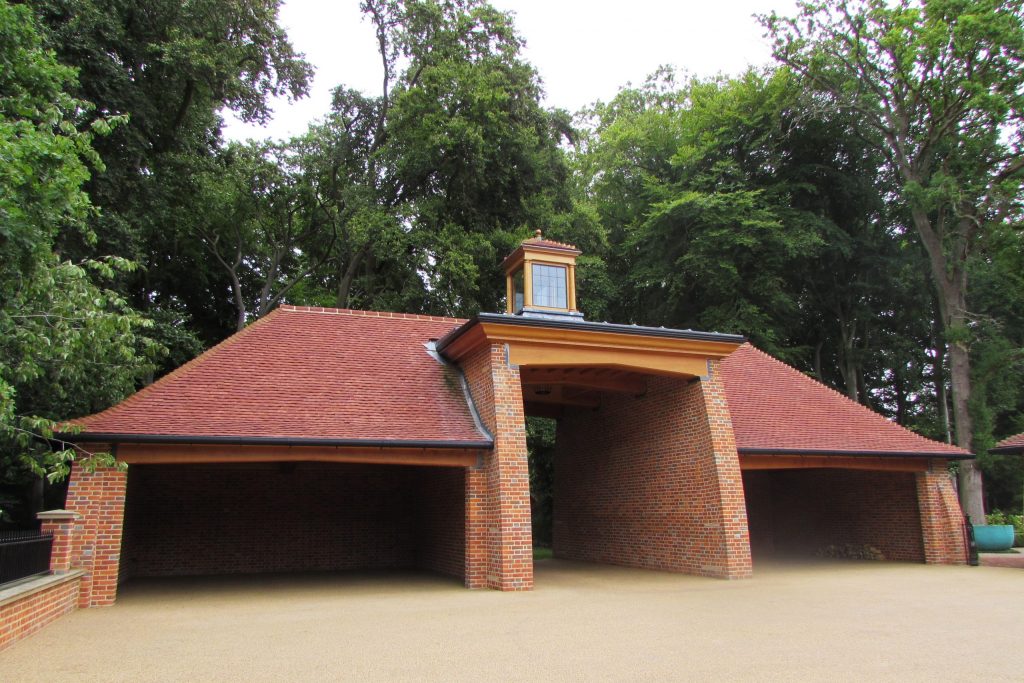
24	553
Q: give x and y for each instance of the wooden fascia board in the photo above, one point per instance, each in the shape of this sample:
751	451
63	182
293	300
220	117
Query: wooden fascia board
624	385
164	454
536	346
795	462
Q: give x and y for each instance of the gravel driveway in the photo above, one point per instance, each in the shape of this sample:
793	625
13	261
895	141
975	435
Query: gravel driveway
826	620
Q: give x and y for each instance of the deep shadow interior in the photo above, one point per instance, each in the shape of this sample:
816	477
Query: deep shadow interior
185	520
804	512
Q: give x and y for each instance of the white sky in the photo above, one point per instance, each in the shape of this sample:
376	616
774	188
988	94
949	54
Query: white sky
584	50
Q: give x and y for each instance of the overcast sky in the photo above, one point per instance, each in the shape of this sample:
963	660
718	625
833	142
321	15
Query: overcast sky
585	50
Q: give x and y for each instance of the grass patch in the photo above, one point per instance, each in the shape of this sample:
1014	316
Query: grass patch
543	553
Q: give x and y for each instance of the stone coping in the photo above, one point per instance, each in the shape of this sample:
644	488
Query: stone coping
29	586
57	515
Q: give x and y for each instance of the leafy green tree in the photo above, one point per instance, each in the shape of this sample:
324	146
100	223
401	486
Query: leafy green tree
939	84
254	217
997	297
429	182
707	215
170	68
67	346
740	204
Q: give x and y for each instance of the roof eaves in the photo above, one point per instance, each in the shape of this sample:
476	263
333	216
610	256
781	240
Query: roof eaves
1007	450
856	453
109	437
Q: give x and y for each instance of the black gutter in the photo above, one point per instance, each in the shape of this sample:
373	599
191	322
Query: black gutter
876	454
585	326
106	437
1007	450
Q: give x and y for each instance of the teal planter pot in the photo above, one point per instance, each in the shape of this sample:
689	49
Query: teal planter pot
993	536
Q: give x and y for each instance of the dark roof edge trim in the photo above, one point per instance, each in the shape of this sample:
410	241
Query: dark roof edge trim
638	330
1007	450
106	437
876	454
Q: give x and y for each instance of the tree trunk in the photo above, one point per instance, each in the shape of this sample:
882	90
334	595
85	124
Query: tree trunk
847	363
236	289
939	378
817	360
949	275
971	491
344	288
899	389
38	493
349	274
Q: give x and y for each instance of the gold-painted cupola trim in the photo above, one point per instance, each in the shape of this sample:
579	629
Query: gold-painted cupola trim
540	279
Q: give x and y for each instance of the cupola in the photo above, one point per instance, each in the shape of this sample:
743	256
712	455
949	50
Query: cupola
540	279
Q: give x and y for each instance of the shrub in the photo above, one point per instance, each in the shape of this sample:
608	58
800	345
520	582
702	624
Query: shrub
999	517
851	552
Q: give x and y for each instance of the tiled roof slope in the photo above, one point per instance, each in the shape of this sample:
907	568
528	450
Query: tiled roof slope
309	373
1013	444
776	407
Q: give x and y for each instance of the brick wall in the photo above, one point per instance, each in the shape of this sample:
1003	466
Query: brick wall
98	498
27	614
253	518
652	481
941	517
499	552
439	519
800	511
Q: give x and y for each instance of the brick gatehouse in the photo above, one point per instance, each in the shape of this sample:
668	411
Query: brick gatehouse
320	439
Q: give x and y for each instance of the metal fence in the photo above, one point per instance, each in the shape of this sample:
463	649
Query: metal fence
24	553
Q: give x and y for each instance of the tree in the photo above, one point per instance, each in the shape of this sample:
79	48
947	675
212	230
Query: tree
254	217
169	68
939	83
719	196
67	346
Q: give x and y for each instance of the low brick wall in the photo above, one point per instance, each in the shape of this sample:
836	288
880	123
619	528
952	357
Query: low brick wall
256	518
29	606
798	512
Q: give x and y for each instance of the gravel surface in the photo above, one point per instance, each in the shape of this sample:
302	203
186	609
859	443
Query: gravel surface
820	621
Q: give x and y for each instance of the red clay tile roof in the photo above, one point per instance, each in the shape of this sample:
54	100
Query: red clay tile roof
1013	444
775	407
308	373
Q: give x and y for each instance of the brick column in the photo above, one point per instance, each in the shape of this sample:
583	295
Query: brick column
942	522
61	524
98	497
499	547
726	506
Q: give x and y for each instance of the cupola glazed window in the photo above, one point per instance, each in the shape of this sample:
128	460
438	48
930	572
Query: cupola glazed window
541	278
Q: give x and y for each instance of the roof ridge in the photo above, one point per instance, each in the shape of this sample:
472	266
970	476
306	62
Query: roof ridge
368	314
807	378
182	369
